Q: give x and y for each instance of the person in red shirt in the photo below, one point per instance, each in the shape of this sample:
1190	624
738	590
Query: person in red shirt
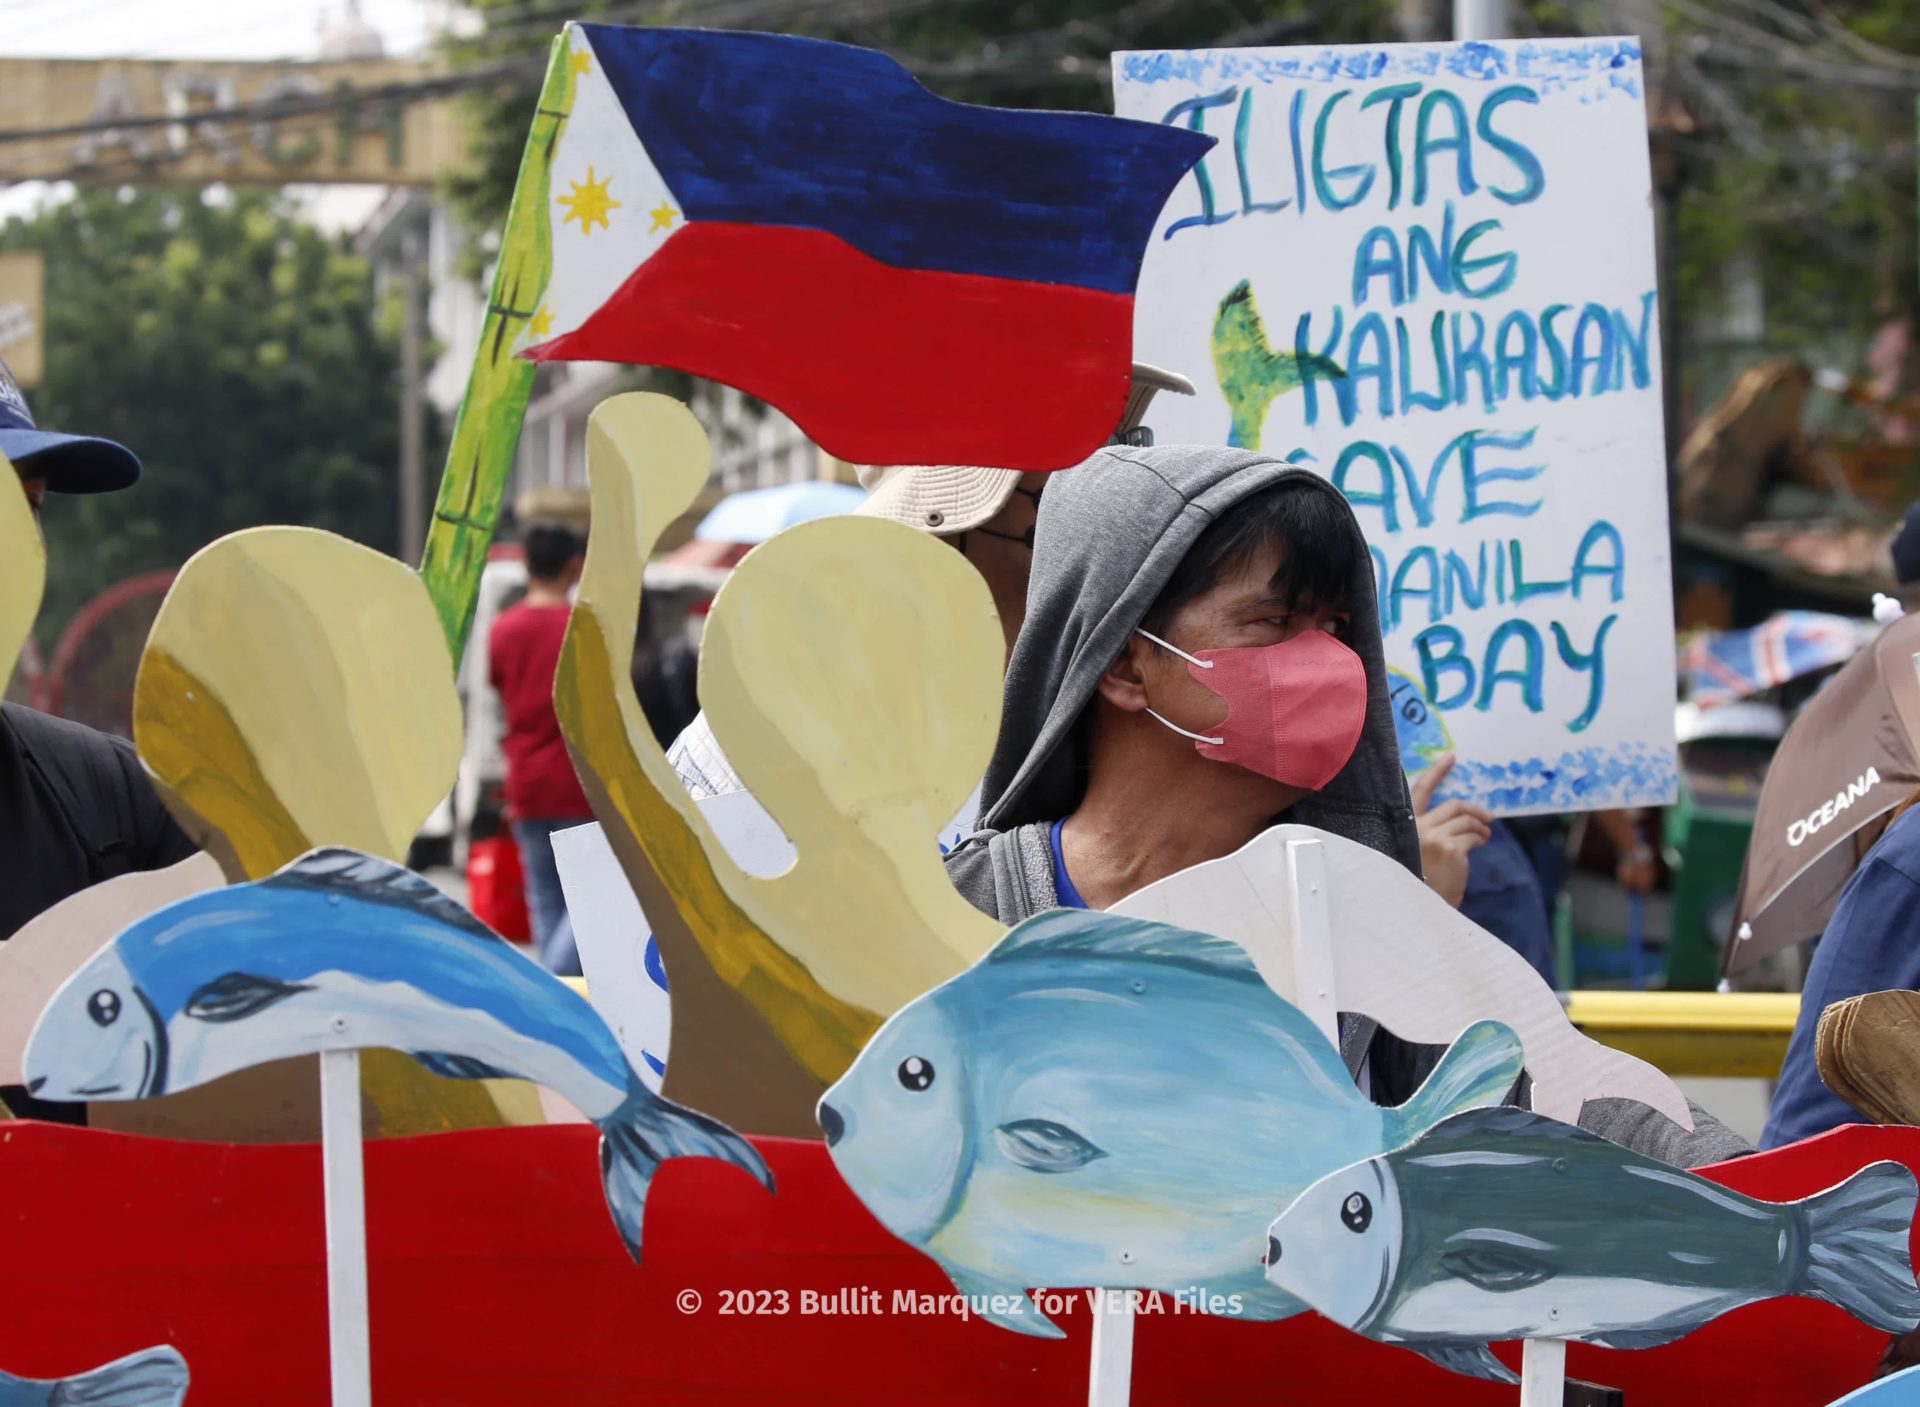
543	794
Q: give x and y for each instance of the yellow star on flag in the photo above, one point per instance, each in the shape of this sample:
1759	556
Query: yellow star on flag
662	218
588	203
541	323
579	62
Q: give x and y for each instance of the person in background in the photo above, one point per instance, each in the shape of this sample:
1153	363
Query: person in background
543	794
1872	944
664	672
1905	548
76	807
1200	660
987	514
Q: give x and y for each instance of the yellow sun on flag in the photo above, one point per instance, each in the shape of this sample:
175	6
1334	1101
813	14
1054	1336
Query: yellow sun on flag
588	203
663	217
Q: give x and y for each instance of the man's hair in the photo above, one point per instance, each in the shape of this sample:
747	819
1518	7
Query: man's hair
550	546
1316	566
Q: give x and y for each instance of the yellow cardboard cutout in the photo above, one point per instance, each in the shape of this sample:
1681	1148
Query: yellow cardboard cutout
851	670
23	569
295	692
291	696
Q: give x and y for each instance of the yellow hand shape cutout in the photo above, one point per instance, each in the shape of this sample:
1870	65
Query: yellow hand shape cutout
294	692
24	574
851	670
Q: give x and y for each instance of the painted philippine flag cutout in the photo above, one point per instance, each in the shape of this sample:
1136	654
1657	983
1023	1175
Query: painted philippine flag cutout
912	280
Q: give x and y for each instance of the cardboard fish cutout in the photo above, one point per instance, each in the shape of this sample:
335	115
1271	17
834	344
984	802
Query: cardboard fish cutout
831	237
153	1377
344	951
1501	1224
1102	1101
1900	1389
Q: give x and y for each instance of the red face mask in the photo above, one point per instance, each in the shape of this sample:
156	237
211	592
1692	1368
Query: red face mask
1295	710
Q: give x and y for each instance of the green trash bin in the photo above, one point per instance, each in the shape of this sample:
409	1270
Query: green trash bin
1706	836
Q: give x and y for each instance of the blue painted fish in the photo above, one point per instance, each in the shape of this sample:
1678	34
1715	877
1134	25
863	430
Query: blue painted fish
1501	1224
153	1377
1418	726
1106	1101
343	951
1900	1389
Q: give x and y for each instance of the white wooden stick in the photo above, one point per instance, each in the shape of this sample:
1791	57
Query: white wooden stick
1313	937
1543	1373
346	1197
1110	1378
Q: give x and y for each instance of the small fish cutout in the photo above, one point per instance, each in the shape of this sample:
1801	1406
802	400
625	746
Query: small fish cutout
202	988
1200	1100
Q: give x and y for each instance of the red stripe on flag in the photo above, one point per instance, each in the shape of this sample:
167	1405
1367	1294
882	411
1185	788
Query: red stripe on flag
879	365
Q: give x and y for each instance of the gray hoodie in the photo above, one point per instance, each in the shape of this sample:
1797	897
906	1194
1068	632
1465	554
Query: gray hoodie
1110	535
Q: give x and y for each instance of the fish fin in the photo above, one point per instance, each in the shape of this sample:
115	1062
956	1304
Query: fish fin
1640	1338
1268	1303
1016	1309
1495	1269
449	1066
643	1133
1095	933
238	995
1858	1250
153	1377
1041	1145
1479	1068
350	874
1471	1360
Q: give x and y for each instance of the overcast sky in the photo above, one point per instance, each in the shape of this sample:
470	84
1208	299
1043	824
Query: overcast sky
207	29
201	29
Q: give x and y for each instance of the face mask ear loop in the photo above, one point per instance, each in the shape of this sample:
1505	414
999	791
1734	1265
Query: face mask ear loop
1203	664
1197	737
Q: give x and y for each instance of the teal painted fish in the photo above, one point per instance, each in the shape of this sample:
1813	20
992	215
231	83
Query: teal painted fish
1103	1101
1501	1224
153	1377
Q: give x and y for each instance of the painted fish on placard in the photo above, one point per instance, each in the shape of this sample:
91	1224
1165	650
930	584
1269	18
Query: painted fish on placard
343	951
1107	1101
153	1377
1501	1224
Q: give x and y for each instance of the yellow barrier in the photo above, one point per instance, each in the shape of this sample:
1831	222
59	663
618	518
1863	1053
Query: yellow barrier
1734	1035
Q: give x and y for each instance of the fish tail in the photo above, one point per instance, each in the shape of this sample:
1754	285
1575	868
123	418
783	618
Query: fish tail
643	1133
153	1377
1479	1069
1858	1252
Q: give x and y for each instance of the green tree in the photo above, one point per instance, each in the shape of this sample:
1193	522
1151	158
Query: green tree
236	350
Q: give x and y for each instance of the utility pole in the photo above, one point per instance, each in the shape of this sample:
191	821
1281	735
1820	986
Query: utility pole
413	421
1480	19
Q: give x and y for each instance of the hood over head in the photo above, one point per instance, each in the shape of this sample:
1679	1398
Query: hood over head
1110	534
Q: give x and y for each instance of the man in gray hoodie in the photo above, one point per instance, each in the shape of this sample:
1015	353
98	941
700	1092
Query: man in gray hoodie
1167	584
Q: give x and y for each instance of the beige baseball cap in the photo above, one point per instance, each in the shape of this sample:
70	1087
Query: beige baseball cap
945	499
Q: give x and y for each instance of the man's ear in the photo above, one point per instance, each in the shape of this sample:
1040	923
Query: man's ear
1124	684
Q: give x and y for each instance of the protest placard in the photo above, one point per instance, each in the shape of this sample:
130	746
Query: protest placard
1427	271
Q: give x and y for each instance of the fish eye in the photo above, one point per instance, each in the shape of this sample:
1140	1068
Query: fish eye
104	1007
916	1074
1357	1212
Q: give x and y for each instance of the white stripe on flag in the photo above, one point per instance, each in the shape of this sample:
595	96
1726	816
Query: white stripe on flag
608	210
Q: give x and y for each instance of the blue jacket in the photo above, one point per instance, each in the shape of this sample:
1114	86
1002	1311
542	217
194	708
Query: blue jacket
1872	944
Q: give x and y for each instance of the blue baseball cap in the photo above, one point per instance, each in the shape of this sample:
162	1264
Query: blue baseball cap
69	463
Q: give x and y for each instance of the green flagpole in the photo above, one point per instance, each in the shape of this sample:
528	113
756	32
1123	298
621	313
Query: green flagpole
486	429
